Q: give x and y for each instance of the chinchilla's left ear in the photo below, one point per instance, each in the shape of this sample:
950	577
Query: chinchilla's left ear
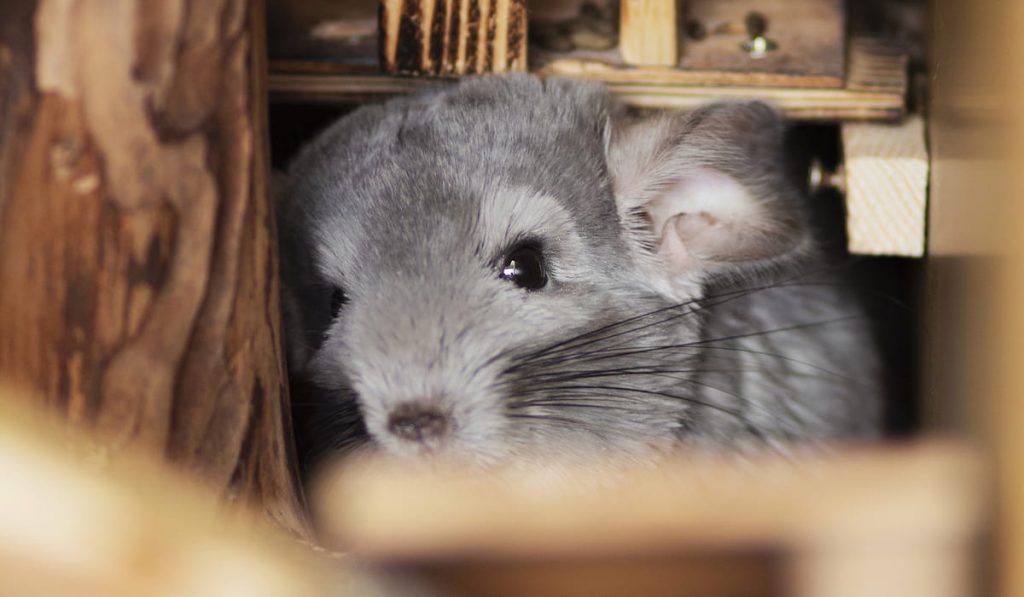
703	194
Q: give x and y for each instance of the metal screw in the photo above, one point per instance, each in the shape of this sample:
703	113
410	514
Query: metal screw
820	178
758	45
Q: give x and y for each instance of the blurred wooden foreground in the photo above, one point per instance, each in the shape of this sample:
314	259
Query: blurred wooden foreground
881	521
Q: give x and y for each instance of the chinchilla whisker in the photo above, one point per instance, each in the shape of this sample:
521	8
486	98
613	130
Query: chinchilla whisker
544	417
575	404
600	354
556	392
773	355
648	392
595	335
600	335
788	328
566	346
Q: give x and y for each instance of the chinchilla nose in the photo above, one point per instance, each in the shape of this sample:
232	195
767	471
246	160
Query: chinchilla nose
417	422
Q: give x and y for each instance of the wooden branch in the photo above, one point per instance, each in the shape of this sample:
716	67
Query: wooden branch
452	37
138	276
648	31
886	187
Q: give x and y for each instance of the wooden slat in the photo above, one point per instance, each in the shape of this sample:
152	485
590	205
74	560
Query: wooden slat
886	187
924	493
875	90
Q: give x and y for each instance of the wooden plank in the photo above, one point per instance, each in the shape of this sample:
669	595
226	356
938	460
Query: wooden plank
874	91
974	331
886	169
452	37
138	276
647	32
855	497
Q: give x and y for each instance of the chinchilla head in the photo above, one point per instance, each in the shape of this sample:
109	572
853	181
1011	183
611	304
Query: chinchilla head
511	265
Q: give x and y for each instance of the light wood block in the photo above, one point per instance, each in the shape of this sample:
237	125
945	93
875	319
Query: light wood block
886	187
648	31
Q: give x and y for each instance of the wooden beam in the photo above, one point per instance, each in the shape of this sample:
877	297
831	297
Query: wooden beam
138	268
648	32
886	187
452	37
874	90
692	500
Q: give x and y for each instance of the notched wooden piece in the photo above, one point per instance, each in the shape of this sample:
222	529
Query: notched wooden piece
452	37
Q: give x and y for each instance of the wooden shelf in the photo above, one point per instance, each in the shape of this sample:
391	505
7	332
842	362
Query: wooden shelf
874	90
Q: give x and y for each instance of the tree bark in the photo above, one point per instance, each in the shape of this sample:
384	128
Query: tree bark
138	272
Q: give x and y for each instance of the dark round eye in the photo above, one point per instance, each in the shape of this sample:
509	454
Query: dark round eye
338	300
525	267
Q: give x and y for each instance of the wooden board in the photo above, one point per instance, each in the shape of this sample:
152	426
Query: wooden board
886	187
897	520
974	330
811	38
324	30
874	90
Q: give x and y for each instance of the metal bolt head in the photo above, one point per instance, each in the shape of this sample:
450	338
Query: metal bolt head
758	47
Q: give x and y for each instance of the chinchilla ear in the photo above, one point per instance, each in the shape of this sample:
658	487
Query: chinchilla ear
703	194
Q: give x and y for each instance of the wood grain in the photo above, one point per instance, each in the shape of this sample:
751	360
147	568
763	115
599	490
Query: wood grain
452	37
648	31
886	187
139	290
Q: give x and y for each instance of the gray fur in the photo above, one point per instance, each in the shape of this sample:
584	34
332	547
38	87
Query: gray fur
410	206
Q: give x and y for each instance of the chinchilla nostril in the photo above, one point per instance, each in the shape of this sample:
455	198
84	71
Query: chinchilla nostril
416	422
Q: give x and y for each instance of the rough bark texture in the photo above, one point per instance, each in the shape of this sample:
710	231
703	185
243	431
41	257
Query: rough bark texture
138	277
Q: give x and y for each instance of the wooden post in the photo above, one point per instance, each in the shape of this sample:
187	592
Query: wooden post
648	32
452	37
138	274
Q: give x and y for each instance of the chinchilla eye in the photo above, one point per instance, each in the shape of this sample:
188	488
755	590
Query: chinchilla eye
338	300
525	267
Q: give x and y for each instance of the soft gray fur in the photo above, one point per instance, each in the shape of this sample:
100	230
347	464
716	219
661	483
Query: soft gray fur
410	207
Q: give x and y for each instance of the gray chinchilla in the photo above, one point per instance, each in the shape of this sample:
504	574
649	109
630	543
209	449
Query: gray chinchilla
509	267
